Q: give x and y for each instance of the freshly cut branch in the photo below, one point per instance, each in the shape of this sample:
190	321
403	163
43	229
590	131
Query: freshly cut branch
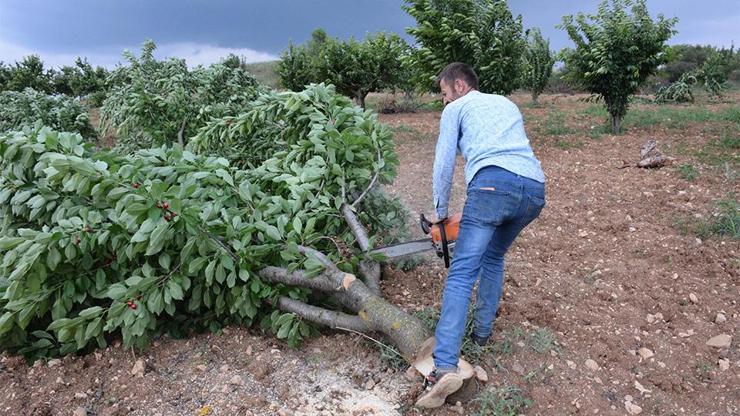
298	278
369	272
321	316
404	330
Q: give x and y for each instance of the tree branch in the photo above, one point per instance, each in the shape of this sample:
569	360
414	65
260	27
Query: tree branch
370	270
181	139
298	278
321	257
322	316
369	187
357	229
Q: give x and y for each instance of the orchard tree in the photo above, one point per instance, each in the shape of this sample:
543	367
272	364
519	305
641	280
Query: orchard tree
81	80
298	63
5	74
617	49
96	245
356	68
153	102
20	109
481	33
30	73
538	63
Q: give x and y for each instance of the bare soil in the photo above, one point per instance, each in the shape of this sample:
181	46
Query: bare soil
609	302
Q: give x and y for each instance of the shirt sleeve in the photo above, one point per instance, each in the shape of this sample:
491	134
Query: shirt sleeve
444	160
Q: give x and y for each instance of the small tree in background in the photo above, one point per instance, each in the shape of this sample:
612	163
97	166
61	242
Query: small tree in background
481	33
538	62
356	68
30	73
153	102
616	51
81	80
6	72
297	67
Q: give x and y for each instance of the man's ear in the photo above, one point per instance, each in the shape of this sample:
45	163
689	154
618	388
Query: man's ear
460	85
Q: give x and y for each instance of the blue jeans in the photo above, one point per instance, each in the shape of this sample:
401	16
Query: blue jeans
499	205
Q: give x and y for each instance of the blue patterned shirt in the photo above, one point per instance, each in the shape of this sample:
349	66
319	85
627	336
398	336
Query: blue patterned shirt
487	130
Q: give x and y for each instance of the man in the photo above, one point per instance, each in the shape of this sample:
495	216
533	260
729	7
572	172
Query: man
505	192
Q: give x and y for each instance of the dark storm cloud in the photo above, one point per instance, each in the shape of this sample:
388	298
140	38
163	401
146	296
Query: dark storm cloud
259	29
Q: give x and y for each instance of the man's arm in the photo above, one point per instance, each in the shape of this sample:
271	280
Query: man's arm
444	160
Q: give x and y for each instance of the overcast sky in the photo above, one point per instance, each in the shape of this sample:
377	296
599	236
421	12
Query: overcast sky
202	31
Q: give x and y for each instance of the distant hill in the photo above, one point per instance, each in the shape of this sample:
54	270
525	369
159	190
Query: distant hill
265	73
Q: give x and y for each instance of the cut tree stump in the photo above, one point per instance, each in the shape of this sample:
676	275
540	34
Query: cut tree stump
650	157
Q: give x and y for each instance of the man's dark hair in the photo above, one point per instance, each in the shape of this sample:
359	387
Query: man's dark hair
458	70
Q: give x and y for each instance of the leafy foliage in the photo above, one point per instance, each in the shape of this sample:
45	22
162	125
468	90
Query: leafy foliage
538	62
18	109
356	68
678	92
156	102
681	91
28	73
81	80
616	51
481	33
687	58
298	63
164	240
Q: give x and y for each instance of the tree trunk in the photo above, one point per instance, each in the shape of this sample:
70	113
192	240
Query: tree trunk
369	311
359	99
616	124
373	313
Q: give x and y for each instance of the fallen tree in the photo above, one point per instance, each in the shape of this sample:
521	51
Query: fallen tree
169	241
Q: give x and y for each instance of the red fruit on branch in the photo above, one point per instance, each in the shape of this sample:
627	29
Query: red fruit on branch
131	304
165	205
136	185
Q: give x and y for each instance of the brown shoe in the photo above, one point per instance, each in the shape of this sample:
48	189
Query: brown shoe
438	388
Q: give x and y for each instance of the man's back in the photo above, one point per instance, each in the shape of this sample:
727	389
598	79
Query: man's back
491	132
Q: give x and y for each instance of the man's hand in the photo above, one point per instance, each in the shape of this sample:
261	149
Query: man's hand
439	220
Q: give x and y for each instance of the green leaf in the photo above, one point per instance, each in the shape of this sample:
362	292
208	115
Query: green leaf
197	264
157	239
282	333
175	290
59	324
53	258
273	232
94	328
91	312
164	261
6	322
297	225
143	233
220	274
210	269
116	291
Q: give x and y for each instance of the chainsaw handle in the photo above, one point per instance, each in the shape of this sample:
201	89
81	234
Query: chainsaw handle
426	225
445	248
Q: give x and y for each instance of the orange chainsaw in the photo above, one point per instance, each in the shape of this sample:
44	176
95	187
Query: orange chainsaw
443	236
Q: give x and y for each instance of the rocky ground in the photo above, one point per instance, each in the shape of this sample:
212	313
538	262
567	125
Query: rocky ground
619	299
